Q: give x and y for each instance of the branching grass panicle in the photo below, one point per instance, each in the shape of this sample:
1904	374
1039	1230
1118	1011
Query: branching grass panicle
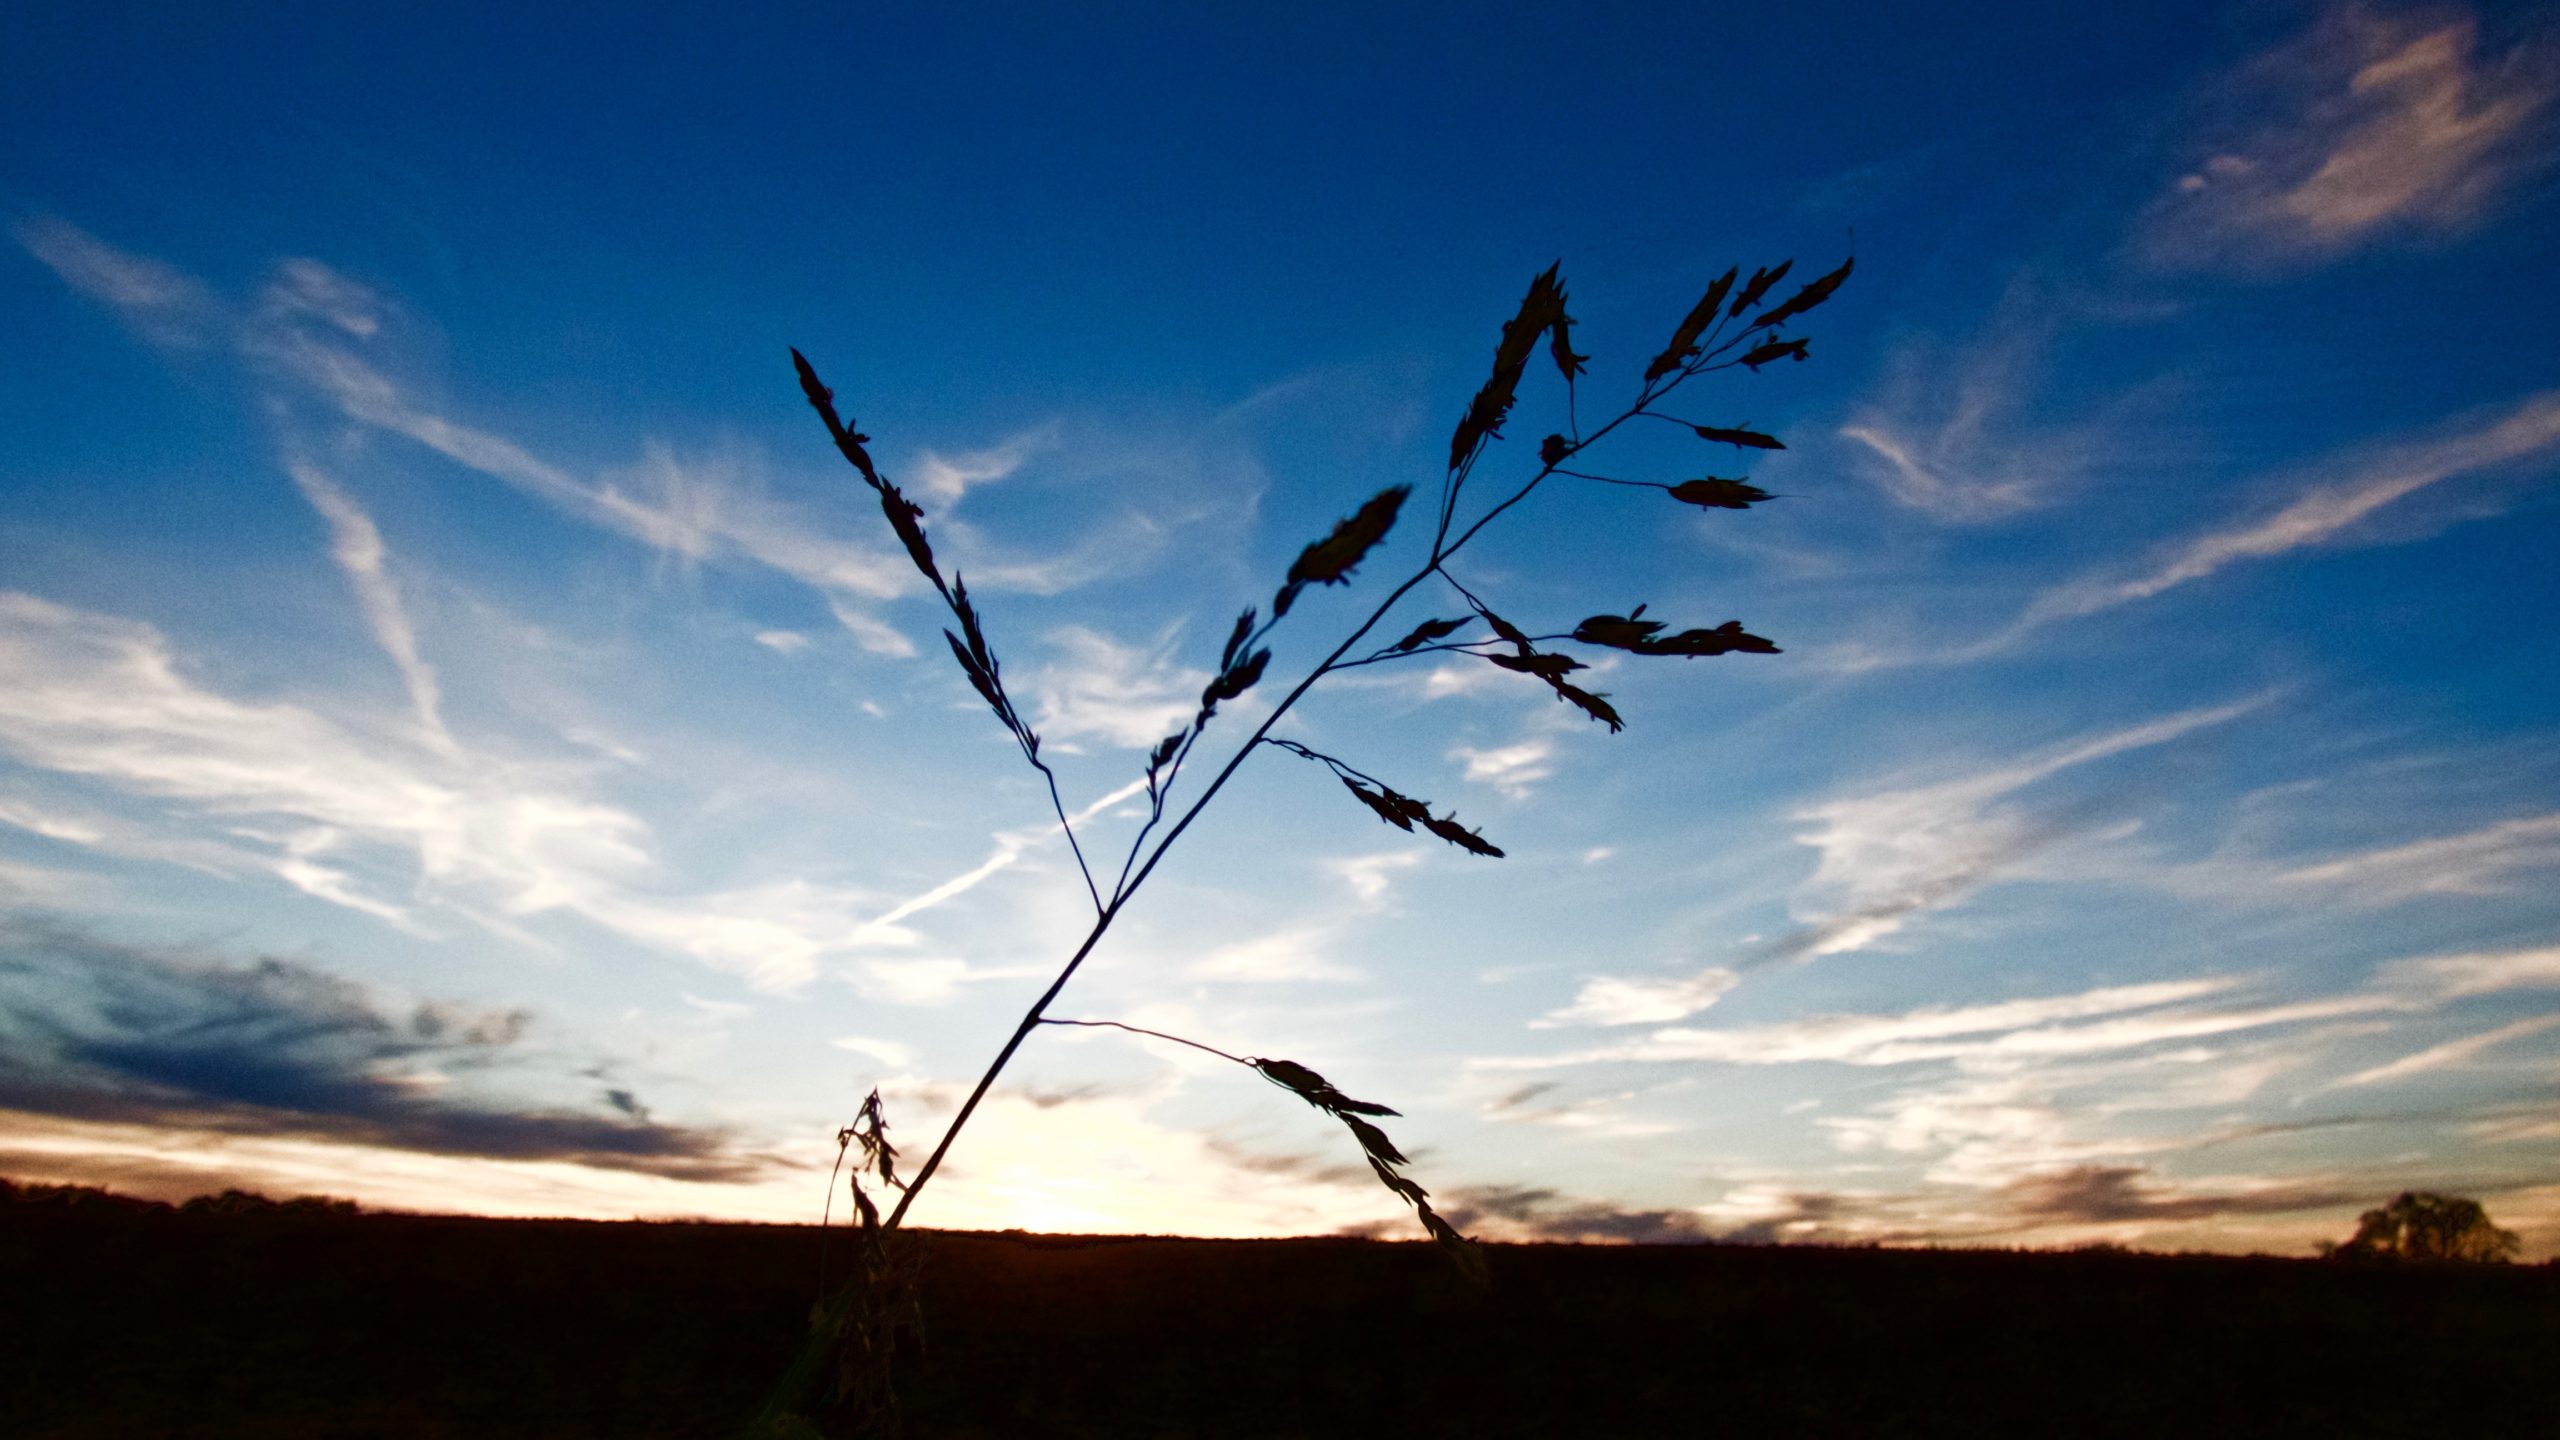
856	1329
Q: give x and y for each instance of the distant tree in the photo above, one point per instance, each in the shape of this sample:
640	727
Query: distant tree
2421	1225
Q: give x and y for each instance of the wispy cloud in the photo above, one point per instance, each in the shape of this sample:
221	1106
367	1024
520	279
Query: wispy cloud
1933	1032
306	290
357	546
2317	513
2449	1054
689	509
1512	769
1641	1000
1097	688
2487	861
2159	1085
1603	1115
868	631
943	479
891	1053
1371	876
1008	847
315	331
2483	972
1297	955
95	696
283	787
163	303
1950	435
1893	854
2367	126
2523	438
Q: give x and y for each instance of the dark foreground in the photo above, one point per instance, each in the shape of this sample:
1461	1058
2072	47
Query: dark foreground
125	1321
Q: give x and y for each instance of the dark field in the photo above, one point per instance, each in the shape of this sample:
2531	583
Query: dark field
127	1321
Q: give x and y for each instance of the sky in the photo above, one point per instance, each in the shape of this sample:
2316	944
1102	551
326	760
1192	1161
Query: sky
469	742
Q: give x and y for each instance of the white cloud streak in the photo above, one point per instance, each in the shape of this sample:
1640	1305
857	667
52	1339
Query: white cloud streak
688	510
1284	957
2449	1054
888	1052
103	698
1370	877
1641	1000
1124	695
943	479
2479	972
1930	1033
2486	861
2364	128
356	544
163	303
1010	846
2318	513
1512	769
1895	854
1945	435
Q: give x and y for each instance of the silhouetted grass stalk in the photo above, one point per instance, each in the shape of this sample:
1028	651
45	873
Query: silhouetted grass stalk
1699	346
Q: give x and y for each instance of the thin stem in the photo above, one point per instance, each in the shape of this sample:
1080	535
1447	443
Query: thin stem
827	1210
1060	807
1329	762
1461	589
1459	647
1030	1022
1161	793
1158	1034
1613	480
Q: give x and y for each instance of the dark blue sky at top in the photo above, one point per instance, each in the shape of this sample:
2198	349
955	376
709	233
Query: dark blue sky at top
1164	201
1225	193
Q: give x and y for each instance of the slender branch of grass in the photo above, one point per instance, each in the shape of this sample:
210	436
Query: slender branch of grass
1030	1021
1326	563
1158	1034
1338	767
1163	792
827	1210
1612	480
1457	647
1060	807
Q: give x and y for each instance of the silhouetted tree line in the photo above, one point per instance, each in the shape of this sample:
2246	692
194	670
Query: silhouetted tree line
229	1202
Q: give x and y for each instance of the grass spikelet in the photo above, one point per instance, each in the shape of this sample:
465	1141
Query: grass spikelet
1541	308
1805	299
1379	1151
1734	435
1761	280
1329	561
1684	341
1711	492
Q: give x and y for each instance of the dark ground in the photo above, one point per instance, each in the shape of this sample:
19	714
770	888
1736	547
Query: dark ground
122	1320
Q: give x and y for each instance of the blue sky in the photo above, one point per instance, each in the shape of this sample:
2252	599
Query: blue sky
467	741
